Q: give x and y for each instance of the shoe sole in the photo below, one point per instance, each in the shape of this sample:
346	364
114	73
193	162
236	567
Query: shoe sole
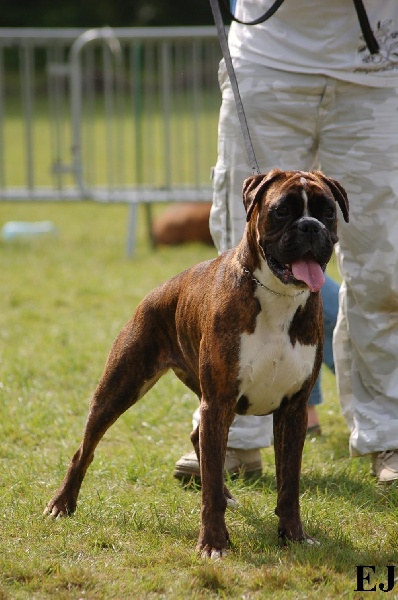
381	482
314	431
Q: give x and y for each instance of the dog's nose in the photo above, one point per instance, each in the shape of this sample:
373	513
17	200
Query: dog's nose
309	225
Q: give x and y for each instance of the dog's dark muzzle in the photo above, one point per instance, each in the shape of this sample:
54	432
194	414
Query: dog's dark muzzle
302	253
307	236
309	226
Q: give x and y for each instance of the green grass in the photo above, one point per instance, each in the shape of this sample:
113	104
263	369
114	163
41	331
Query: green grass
63	299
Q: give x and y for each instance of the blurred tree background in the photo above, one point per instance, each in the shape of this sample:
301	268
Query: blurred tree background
98	13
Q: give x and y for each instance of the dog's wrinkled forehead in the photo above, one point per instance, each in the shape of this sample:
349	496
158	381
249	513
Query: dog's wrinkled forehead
301	184
277	183
299	181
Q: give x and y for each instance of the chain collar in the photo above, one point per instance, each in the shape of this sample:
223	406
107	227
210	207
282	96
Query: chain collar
257	282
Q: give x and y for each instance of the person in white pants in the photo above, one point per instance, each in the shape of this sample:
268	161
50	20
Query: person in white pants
314	95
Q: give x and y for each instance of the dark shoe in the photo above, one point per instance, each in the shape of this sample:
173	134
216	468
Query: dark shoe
314	431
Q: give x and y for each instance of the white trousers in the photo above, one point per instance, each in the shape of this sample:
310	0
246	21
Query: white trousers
300	121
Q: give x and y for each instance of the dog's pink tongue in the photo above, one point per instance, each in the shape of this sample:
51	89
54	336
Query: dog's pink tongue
308	270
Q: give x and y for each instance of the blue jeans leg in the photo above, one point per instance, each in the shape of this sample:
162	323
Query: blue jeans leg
330	301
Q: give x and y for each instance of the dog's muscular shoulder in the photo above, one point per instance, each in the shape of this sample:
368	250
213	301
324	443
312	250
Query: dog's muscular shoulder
209	305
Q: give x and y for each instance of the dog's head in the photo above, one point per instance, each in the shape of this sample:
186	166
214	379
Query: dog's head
295	219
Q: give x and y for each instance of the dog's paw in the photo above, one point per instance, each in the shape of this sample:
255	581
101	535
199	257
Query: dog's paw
214	546
218	554
299	536
54	512
310	540
57	508
214	553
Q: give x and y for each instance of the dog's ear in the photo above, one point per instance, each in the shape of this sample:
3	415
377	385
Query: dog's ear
254	186
339	193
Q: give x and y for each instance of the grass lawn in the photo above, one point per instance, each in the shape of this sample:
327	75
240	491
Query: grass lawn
63	300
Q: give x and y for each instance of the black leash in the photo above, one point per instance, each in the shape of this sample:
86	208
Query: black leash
272	9
366	29
367	33
222	36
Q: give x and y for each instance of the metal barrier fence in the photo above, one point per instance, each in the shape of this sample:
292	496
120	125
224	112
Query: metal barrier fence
123	115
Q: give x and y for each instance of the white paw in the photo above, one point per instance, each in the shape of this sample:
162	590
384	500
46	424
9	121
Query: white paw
218	554
312	542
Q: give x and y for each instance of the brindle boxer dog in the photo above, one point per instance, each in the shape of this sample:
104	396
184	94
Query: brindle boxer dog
244	332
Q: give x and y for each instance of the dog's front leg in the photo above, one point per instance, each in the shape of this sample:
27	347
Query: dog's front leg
215	420
290	424
231	501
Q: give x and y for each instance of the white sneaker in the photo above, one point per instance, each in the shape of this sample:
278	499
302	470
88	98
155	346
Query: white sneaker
247	462
384	466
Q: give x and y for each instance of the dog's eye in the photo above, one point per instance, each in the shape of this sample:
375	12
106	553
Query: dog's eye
282	211
330	213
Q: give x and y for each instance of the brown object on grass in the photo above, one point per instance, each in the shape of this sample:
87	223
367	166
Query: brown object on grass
181	223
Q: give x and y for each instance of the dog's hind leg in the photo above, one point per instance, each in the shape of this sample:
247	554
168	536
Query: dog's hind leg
126	378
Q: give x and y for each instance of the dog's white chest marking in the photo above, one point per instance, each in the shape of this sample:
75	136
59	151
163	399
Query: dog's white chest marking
271	368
